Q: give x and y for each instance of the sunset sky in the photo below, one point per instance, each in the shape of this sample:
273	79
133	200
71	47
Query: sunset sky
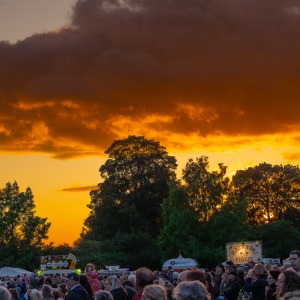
203	77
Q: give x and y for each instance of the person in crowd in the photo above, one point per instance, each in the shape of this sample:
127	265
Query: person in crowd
129	287
271	292
229	265
241	273
103	295
14	293
288	285
131	279
197	274
57	295
40	282
286	266
4	293
219	270
27	294
47	292
154	292
190	290
231	285
182	276
116	289
25	278
35	295
84	281
257	282
63	289
170	274
11	284
93	277
143	277
48	281
295	260
75	290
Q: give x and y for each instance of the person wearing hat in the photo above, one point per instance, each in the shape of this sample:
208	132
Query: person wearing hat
75	290
232	285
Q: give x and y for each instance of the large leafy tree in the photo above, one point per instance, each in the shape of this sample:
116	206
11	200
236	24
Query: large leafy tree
270	191
136	179
206	190
22	232
179	232
288	238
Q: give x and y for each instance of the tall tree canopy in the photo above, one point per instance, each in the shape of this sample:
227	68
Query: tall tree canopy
180	223
22	233
205	189
270	191
136	179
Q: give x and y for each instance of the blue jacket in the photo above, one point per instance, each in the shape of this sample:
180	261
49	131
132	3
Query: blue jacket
78	293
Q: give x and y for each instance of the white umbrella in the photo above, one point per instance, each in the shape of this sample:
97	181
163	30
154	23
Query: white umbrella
13	272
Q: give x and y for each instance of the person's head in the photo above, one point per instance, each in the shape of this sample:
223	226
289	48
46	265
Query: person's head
47	291
288	281
143	277
196	275
154	292
72	279
250	264
35	295
131	278
48	281
182	276
286	266
83	280
103	295
190	290
220	269
56	294
258	271
89	268
4	293
63	288
295	259
14	293
232	275
229	264
273	276
113	282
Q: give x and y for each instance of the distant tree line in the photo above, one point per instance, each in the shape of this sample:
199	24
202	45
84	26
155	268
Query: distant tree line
142	214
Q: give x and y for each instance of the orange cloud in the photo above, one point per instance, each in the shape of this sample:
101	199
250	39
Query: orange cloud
188	73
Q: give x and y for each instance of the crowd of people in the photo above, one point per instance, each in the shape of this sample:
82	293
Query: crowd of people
226	281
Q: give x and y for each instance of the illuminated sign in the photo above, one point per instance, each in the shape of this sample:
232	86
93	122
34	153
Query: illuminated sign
57	262
244	252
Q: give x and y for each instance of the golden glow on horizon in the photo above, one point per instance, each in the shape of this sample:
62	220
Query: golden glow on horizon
59	185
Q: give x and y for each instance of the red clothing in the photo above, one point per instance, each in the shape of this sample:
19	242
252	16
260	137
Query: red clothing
138	296
93	280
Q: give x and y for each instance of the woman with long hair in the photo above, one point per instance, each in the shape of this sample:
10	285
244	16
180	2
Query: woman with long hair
84	281
289	285
113	284
272	278
256	282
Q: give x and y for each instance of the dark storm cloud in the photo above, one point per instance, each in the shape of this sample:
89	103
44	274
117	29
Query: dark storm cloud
204	67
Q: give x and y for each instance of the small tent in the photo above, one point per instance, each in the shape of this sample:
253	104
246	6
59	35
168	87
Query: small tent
180	263
13	272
